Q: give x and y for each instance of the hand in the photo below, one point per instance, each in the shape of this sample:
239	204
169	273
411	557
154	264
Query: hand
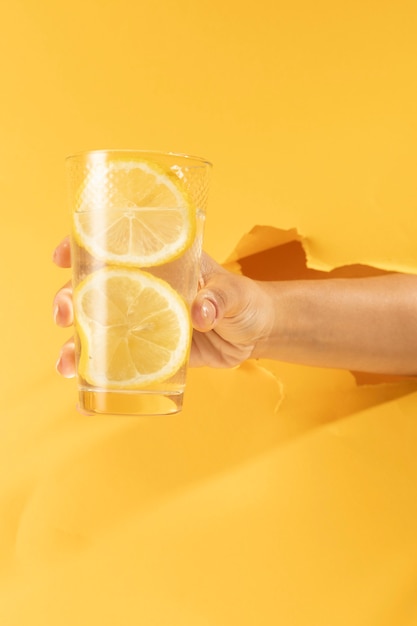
230	315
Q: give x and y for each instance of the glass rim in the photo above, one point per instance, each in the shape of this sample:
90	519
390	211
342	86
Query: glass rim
198	161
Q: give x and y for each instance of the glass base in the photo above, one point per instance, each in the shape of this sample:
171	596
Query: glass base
134	403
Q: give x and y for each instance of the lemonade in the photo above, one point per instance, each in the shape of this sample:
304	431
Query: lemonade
136	247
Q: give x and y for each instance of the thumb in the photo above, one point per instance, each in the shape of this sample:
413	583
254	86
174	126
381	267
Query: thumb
204	312
218	299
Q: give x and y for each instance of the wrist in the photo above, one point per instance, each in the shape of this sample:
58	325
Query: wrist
268	321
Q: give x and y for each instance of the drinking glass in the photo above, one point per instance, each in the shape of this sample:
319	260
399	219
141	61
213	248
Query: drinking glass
136	242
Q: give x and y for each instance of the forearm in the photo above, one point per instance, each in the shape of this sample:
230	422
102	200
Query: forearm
367	324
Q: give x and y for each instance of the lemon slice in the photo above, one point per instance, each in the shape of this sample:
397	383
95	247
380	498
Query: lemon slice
134	329
133	213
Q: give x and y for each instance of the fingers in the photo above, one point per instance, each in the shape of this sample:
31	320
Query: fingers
66	360
62	306
63	311
62	253
63	316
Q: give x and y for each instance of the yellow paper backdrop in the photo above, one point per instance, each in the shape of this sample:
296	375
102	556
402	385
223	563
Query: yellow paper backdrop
282	494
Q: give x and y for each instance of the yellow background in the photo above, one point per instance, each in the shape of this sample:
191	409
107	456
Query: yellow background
282	494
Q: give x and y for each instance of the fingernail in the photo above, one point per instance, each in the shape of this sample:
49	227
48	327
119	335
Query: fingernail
208	312
56	313
61	367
